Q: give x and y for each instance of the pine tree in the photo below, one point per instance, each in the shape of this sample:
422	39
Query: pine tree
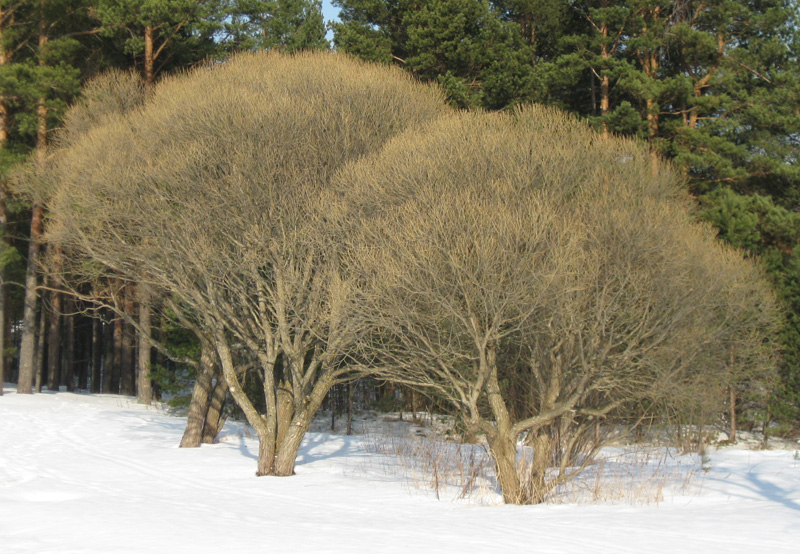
291	25
479	58
160	34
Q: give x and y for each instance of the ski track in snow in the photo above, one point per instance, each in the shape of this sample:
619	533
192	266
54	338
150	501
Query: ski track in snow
100	474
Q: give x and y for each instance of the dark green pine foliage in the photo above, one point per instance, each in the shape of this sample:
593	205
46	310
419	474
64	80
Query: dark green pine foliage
761	227
42	43
290	25
478	56
713	85
584	77
160	35
732	97
735	127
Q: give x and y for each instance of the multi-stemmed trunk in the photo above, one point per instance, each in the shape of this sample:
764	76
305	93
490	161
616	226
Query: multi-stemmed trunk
214	418
198	405
503	438
290	409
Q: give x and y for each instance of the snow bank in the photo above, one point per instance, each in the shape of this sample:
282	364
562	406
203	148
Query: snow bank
100	474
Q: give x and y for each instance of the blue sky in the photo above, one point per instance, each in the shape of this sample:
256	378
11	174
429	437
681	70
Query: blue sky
329	11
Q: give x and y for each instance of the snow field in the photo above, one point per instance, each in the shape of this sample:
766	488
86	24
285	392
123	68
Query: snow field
100	474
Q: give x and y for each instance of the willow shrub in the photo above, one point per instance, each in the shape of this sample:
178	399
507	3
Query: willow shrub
211	192
546	281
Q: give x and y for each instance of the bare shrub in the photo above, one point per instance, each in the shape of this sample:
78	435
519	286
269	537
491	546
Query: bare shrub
104	97
542	279
436	464
211	192
631	476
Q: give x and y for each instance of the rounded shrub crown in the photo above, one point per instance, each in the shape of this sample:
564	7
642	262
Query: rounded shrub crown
564	252
226	160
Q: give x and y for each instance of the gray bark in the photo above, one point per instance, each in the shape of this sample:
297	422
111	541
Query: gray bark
214	419
198	406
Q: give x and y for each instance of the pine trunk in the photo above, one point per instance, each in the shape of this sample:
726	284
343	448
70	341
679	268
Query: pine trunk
4	59
117	358
145	392
84	359
605	82
652	133
27	354
128	366
41	345
149	58
54	343
68	368
28	346
732	436
351	391
108	358
97	349
3	223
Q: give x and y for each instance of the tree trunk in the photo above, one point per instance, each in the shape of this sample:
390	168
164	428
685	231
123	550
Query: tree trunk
605	82
652	133
289	447
97	349
108	358
732	390
504	453
54	342
214	420
351	391
542	457
41	129
28	346
117	358
149	58
198	406
4	59
3	243
285	402
41	344
27	351
128	367
84	356
145	393
503	443
605	85
68	369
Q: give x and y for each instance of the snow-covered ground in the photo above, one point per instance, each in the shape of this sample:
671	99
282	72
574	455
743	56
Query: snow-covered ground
100	474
